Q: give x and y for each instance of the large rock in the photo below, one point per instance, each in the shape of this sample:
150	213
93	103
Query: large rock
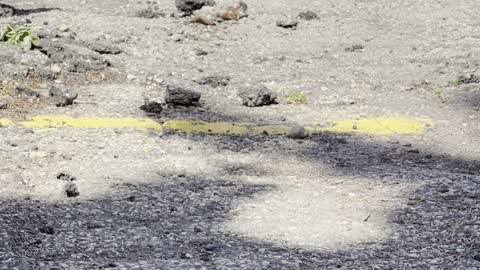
62	96
179	96
189	6
257	95
6	10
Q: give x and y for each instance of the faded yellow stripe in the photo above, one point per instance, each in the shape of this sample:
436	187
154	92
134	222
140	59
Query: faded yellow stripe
380	126
372	126
90	122
5	122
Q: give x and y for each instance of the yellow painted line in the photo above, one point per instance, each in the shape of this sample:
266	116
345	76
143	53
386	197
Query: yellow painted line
224	128
371	126
5	122
90	122
380	126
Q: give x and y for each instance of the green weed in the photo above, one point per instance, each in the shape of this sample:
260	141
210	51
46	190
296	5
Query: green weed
21	36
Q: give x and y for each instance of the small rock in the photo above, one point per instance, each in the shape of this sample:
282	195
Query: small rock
63	28
356	47
24	91
179	96
4	103
189	6
131	77
66	176
200	52
103	48
214	80
258	95
308	15
467	79
62	97
151	107
38	155
150	13
205	16
110	265
56	69
47	230
287	22
297	132
71	190
94	225
6	10
234	13
476	257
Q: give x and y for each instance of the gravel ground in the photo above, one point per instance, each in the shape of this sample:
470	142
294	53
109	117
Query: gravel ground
148	200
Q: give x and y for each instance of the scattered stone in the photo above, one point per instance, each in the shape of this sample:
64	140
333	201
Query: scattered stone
287	22
62	96
71	190
63	28
179	96
215	80
93	225
476	257
204	16
24	91
297	132
354	48
234	13
47	230
6	10
56	69
200	52
189	6
151	107
4	103
152	12
103	48
38	154
467	79
308	15
131	77
258	95
65	176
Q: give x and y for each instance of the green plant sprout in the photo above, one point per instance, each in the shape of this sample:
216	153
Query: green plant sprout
21	36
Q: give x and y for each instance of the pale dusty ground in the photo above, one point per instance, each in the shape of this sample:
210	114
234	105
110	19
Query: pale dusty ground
363	203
